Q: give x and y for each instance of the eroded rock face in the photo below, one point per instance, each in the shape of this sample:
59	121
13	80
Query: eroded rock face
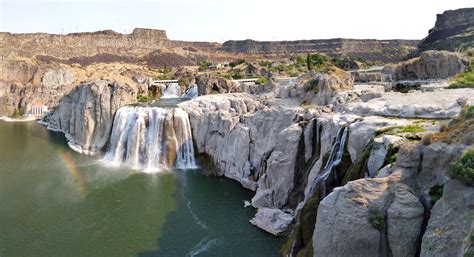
85	115
343	216
450	222
453	28
431	65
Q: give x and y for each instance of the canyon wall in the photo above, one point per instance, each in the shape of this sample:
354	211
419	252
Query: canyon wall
83	44
453	28
371	50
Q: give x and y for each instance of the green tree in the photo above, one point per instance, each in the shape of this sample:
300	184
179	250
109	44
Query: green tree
309	62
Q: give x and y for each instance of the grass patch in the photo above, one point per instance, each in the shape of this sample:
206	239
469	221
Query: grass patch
394	130
463	80
463	168
145	98
376	218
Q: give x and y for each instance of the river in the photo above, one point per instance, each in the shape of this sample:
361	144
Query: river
55	202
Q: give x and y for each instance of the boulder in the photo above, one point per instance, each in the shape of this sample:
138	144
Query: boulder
344	227
274	221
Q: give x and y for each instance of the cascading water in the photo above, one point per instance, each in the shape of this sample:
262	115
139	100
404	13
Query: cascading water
191	93
151	138
335	158
172	90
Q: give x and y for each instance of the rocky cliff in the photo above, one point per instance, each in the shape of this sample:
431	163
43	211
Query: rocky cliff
371	50
85	115
453	29
431	65
83	44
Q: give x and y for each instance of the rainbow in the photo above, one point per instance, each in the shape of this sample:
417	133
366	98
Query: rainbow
72	168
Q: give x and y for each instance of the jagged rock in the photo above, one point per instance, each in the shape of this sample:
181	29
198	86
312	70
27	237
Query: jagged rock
380	149
450	222
208	83
274	188
274	221
431	65
343	216
85	115
436	158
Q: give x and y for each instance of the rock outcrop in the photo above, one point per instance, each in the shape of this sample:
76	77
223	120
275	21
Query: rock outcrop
450	223
85	115
318	88
453	29
208	84
431	65
370	217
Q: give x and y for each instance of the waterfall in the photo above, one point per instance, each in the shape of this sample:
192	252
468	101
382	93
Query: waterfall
151	138
335	158
172	90
191	93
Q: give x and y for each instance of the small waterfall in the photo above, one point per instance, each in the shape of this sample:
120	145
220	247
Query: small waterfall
172	91
335	158
191	93
151	138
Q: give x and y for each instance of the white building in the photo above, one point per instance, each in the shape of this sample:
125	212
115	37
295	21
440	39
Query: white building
38	110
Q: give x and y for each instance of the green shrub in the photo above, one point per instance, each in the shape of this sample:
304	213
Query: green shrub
463	168
266	63
436	192
237	62
376	218
463	80
468	112
262	80
204	65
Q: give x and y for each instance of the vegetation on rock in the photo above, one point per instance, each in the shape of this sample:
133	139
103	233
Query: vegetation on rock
436	192
376	218
463	168
463	80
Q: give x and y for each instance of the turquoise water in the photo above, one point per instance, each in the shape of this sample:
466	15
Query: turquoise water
56	202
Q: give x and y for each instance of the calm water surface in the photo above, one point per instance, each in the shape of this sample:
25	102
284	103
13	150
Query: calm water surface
55	202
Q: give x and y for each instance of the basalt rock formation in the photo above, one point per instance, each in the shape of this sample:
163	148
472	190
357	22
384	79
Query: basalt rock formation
371	50
453	29
83	44
85	115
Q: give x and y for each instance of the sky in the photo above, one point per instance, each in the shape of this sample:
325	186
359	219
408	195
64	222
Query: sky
221	20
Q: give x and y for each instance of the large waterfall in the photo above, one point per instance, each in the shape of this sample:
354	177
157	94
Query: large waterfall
151	138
